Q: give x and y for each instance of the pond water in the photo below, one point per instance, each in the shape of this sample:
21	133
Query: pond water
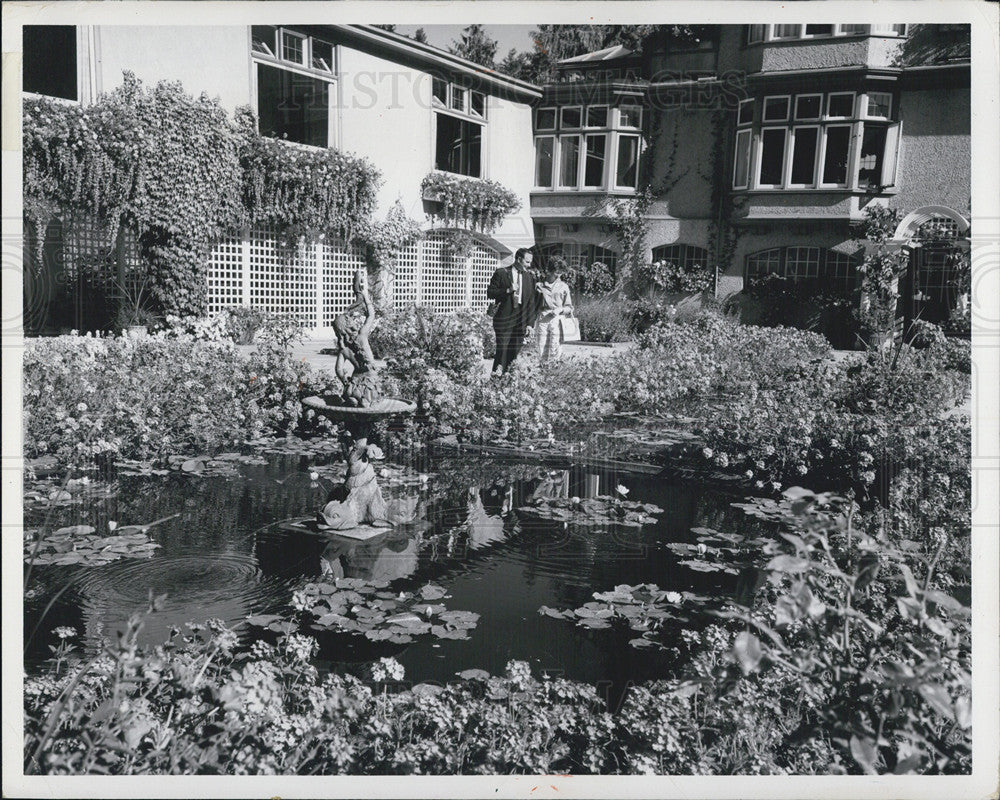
226	555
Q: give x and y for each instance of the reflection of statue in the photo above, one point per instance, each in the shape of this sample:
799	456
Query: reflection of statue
391	556
353	327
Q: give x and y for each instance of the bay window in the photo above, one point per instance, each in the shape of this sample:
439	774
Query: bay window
816	141
756	34
589	147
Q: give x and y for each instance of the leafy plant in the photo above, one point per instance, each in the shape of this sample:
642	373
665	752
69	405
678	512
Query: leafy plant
479	205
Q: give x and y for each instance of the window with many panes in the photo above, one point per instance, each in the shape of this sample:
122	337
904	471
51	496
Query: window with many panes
295	82
813	140
686	256
460	127
801	264
755	34
580	147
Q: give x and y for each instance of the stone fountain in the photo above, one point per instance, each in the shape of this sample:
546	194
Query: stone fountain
356	509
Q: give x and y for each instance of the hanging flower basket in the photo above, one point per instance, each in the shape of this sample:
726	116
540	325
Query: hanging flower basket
470	203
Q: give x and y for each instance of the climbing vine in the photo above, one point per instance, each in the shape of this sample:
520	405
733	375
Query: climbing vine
179	174
383	241
880	271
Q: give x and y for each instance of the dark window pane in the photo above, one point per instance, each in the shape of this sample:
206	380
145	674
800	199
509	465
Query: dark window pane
50	60
594	174
571	118
804	155
775	108
459	146
293	106
772	157
262	39
746	112
841	105
293	48
458	98
322	55
872	153
440	89
569	160
819	30
543	162
545	119
742	170
597	117
628	160
478	102
835	161
807	106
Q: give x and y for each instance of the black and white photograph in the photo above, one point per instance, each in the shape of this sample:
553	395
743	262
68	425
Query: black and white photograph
542	399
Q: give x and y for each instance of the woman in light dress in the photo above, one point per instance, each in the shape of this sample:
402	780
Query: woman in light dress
555	304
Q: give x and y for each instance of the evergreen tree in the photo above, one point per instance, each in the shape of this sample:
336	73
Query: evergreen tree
390	28
475	45
420	35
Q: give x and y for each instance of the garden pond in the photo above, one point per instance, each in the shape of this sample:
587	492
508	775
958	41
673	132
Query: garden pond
496	549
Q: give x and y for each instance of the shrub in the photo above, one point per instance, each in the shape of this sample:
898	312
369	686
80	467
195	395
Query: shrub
603	319
806	305
149	397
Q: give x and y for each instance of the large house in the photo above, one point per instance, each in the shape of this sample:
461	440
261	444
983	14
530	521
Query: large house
761	144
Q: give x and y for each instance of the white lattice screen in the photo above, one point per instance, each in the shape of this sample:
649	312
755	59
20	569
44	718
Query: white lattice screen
339	265
225	275
314	282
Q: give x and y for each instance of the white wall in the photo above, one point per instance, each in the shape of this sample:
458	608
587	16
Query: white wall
211	59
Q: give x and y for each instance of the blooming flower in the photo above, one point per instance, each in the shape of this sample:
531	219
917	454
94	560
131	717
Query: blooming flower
673	597
314	476
65	632
707	452
621	489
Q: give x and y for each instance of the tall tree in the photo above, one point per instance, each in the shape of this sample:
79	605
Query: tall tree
476	45
420	35
390	28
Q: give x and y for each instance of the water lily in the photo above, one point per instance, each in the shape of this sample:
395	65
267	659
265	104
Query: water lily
314	476
673	597
621	489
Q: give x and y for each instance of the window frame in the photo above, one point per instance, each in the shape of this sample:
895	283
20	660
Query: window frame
776	38
759	165
562	123
866	104
764	119
820	183
619	135
558	183
748	132
306	61
555	118
854	106
793	130
585	150
470	120
806	35
552	168
819	113
586	118
739	112
618	117
328	78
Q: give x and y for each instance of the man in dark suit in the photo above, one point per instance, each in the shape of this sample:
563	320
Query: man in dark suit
513	290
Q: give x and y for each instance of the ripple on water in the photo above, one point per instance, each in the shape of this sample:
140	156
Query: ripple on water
226	586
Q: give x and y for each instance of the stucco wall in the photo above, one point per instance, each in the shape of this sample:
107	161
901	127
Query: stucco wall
682	154
386	115
213	59
935	160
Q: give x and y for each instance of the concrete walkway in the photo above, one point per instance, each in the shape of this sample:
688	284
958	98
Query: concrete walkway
310	351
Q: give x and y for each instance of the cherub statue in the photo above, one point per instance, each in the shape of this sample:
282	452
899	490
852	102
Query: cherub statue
352	328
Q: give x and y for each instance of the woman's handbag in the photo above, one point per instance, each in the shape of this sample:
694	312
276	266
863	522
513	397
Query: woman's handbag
569	327
492	308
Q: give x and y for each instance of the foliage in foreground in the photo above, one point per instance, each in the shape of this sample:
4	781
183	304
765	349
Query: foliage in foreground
850	657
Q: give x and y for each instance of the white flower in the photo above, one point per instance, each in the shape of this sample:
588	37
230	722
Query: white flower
707	452
702	549
65	632
621	489
673	597
112	525
314	476
81	406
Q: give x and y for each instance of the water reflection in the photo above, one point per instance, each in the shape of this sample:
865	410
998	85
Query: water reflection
227	556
